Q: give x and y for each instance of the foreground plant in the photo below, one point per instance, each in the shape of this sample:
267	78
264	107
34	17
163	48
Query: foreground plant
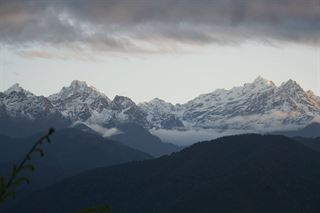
7	188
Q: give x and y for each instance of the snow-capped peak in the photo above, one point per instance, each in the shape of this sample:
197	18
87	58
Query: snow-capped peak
157	101
290	83
310	93
262	81
157	104
258	105
22	104
291	86
81	86
78	84
79	101
16	88
122	102
78	88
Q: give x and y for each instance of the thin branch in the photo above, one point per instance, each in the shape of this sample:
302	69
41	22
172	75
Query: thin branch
6	189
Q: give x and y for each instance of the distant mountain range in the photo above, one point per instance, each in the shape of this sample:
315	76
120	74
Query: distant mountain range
310	131
257	106
71	152
135	136
23	113
246	173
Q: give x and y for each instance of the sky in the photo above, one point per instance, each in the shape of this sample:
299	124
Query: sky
171	49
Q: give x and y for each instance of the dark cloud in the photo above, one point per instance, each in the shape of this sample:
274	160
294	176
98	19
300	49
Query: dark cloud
155	25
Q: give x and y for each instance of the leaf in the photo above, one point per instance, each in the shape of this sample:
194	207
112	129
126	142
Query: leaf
20	180
29	167
40	151
4	196
2	184
3	187
14	170
48	139
29	157
51	131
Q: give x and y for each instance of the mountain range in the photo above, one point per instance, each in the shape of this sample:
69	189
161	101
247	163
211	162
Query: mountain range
72	151
244	173
136	137
310	131
257	106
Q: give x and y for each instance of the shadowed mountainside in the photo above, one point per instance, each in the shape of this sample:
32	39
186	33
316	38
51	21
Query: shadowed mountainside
72	151
310	131
135	136
313	143
246	173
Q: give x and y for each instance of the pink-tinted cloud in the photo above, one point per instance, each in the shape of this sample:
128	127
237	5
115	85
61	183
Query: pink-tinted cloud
145	25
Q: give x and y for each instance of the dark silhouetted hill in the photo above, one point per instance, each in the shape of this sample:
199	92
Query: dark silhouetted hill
235	174
71	152
313	143
310	131
137	137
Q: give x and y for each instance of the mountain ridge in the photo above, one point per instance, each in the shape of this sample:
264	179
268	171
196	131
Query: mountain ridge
23	113
243	173
72	151
259	106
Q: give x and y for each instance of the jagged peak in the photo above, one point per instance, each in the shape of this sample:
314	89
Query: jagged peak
77	83
291	84
119	98
81	85
160	102
157	100
311	93
261	80
77	87
16	88
123	101
290	81
313	96
156	103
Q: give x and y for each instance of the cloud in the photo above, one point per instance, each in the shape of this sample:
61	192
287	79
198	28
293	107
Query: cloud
104	132
153	26
316	119
188	137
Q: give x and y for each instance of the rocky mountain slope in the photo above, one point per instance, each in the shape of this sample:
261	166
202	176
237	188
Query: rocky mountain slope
135	136
22	113
71	152
80	102
258	106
